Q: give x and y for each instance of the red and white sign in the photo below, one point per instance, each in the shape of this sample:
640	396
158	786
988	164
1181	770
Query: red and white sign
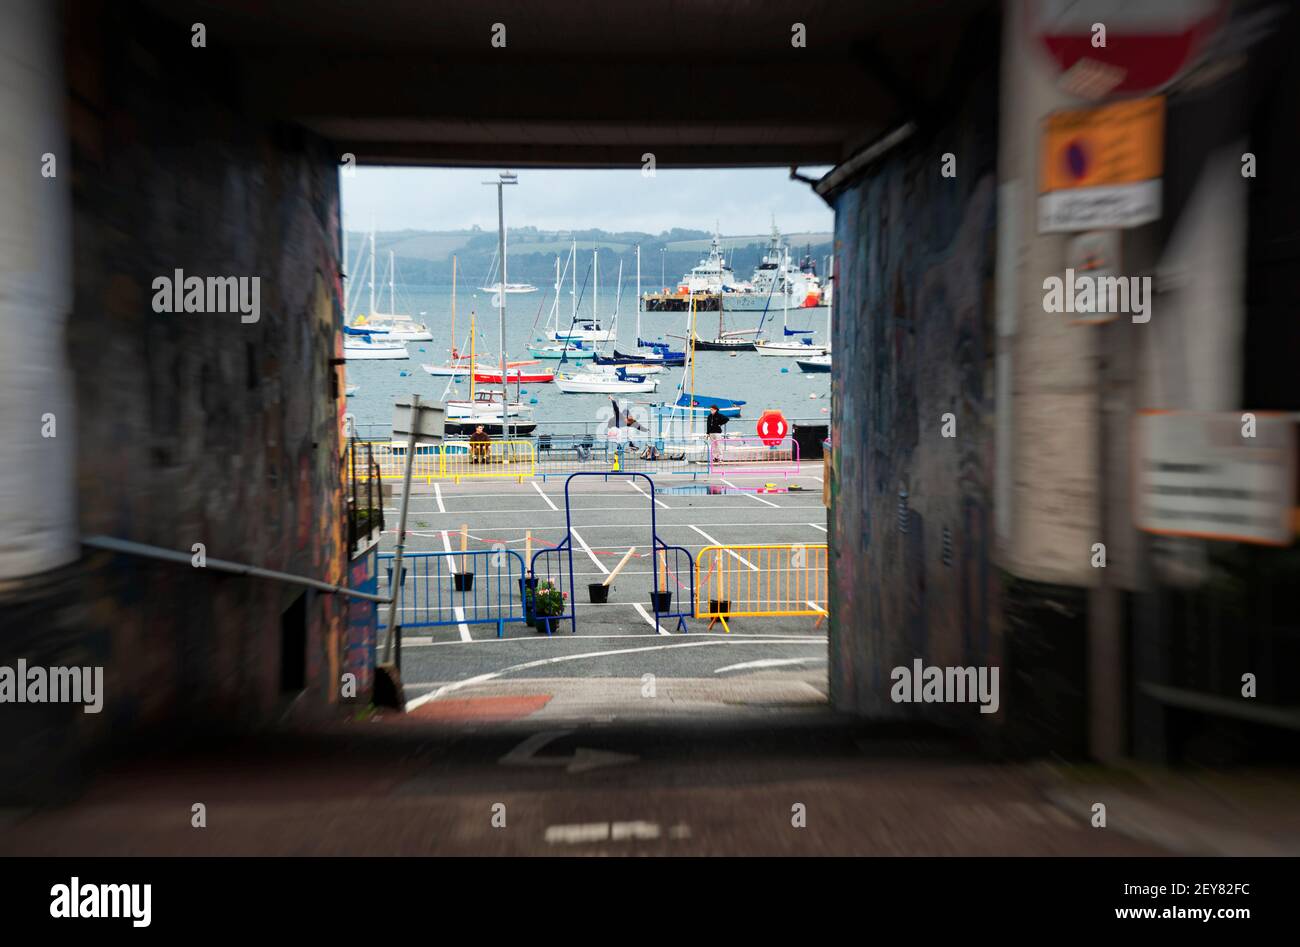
1148	43
772	428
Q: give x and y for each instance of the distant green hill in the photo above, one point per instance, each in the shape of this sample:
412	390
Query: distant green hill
424	257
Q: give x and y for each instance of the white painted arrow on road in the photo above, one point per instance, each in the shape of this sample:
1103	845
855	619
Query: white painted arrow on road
581	761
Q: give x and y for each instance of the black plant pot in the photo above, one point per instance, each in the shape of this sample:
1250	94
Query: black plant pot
463	581
719	607
662	601
599	593
546	623
527	589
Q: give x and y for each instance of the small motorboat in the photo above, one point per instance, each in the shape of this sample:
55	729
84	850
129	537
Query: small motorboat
817	363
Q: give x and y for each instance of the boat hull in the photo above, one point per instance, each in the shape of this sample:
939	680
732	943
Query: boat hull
582	386
494	378
724	345
372	352
789	351
813	366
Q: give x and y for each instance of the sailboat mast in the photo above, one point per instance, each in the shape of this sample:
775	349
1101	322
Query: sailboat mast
692	338
371	311
573	290
472	341
595	284
638	294
453	306
785	317
392	294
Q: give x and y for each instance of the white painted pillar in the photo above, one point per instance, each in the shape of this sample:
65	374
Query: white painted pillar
38	518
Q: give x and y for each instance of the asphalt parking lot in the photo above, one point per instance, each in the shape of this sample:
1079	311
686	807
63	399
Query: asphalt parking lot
619	639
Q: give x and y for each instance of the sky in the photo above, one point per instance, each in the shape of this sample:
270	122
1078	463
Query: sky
738	201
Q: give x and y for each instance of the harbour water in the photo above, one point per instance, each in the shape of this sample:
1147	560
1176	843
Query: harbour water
755	379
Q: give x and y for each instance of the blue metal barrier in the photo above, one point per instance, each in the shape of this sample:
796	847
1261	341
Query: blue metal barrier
555	565
668	563
453	588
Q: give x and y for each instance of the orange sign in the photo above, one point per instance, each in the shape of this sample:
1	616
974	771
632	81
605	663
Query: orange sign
1115	144
1100	168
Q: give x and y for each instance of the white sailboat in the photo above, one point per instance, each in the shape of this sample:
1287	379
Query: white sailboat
390	326
511	288
584	330
457	366
795	343
598	382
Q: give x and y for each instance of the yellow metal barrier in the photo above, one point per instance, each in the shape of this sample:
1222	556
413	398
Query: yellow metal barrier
760	580
514	459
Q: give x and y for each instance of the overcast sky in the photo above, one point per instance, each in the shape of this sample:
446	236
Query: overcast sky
740	201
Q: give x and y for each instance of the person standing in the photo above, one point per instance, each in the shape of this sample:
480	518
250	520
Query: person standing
713	425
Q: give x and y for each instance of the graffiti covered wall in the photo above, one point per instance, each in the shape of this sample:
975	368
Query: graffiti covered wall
911	519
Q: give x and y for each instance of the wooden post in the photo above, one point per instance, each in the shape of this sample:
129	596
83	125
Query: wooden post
663	571
464	547
619	568
528	551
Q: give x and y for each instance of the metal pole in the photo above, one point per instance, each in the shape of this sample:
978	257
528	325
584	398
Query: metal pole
394	592
501	311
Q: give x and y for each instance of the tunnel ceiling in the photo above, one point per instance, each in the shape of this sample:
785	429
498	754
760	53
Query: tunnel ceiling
695	82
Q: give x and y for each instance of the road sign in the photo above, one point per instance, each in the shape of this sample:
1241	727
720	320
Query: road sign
430	422
1101	167
772	428
1201	475
1094	254
1144	44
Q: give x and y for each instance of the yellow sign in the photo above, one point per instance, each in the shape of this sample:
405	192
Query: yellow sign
1100	167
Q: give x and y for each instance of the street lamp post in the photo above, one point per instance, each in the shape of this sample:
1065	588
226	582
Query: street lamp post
504	178
662	277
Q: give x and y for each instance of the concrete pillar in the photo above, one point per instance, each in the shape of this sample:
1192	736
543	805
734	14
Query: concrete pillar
37	478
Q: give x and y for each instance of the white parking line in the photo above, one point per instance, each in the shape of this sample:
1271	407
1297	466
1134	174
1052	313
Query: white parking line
527	665
437	494
646	615
583	543
815	526
714	542
749	494
764	663
451	560
637	487
542	494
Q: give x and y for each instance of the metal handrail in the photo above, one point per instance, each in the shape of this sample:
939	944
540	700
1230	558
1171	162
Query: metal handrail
128	547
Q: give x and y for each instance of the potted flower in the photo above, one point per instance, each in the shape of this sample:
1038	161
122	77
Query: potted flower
548	602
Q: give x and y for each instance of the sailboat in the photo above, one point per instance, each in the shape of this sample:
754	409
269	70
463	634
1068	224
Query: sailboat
821	363
583	330
795	342
458	366
692	403
389	326
359	345
738	340
660	352
489	407
511	288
